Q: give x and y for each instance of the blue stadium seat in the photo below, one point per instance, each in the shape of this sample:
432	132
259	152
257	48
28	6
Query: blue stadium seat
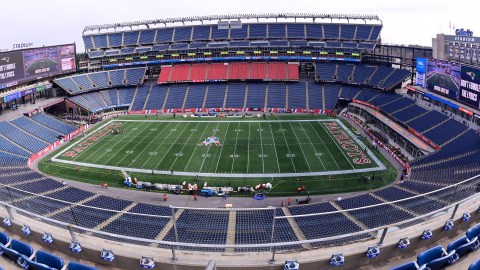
16	250
462	246
4	239
436	258
475	265
78	266
406	266
473	232
45	261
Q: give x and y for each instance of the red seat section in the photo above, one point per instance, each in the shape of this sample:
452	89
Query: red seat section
277	71
198	73
217	72
239	71
180	73
165	74
258	71
293	71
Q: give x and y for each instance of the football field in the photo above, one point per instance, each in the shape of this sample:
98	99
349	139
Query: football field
236	148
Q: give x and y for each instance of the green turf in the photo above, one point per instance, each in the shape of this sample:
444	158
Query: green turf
241	153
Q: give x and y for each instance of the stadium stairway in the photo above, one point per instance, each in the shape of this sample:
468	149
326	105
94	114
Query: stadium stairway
371	75
401	109
161	235
437	125
266	96
296	229
133	99
225	97
394	205
205	96
323	97
27	181
66	208
114	217
445	159
185	97
166	98
428	197
246	95
455	137
148	96
386	78
43	126
38	194
306	95
418	116
286	96
352	218
232	228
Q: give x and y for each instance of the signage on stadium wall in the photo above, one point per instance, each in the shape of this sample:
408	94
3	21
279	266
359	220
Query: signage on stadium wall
22	45
54	145
470	86
420	79
421	65
463	32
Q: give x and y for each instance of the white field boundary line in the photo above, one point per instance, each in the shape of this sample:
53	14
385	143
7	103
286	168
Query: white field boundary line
195	149
379	167
313	146
226	121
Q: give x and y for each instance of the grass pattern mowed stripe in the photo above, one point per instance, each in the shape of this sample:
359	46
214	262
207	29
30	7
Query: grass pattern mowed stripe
246	147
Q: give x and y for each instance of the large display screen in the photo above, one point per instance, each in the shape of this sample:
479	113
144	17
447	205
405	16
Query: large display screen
25	65
470	86
443	77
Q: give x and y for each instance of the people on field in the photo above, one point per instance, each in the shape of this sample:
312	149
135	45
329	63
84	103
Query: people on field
165	197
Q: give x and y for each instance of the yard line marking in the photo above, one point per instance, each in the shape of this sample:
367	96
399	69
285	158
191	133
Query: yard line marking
275	148
183	147
248	147
306	160
171	145
288	148
159	145
208	149
335	142
137	155
235	149
221	150
195	149
328	150
261	147
311	143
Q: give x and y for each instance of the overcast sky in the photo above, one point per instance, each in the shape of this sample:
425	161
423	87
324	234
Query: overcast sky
50	22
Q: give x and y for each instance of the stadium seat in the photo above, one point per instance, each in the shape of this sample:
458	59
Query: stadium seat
462	246
4	239
473	232
45	261
475	265
406	266
78	266
17	251
436	258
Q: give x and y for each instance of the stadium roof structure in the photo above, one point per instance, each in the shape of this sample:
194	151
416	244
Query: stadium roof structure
200	19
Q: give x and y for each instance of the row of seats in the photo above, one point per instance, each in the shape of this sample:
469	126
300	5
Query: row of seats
107	99
274	71
380	77
228	95
438	258
248	32
101	80
26	257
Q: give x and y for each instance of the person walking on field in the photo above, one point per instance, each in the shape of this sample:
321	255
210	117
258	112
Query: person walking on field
164	197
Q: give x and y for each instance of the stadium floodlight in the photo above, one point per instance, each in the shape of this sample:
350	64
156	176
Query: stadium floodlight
26	230
107	255
337	259
403	243
448	225
373	252
75	247
147	262
427	234
466	217
47	238
7	221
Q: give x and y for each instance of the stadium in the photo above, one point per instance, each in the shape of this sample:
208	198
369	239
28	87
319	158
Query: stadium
250	141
